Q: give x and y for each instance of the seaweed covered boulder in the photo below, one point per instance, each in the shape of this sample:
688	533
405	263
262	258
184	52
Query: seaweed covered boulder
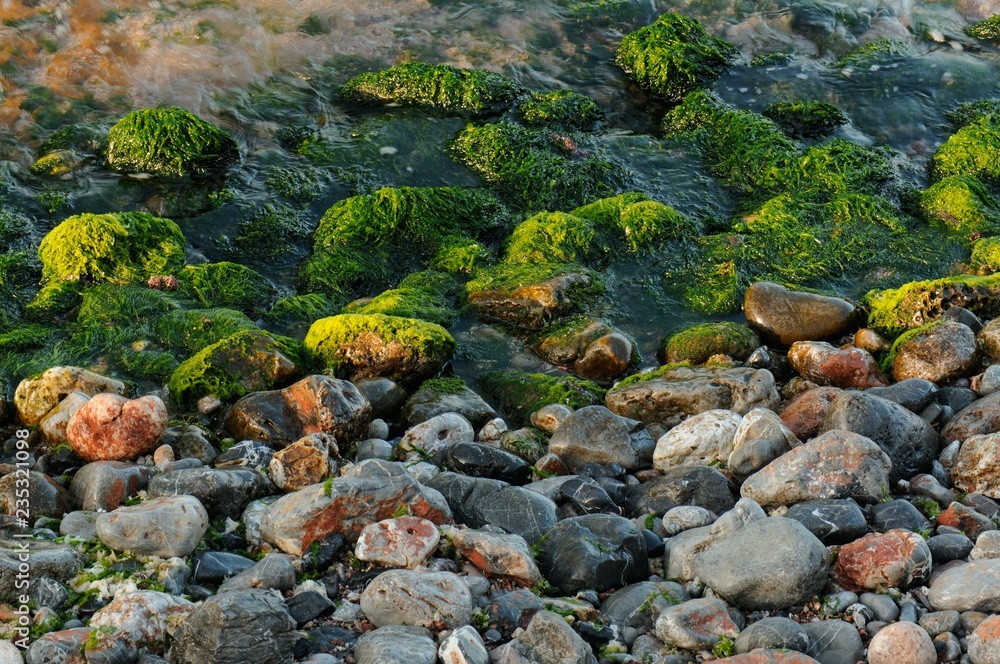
674	56
806	119
425	295
530	297
590	348
973	150
190	330
920	302
698	343
169	142
560	109
118	247
520	394
355	346
438	87
227	285
961	204
987	30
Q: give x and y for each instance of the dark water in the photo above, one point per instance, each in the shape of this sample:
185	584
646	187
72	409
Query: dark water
255	66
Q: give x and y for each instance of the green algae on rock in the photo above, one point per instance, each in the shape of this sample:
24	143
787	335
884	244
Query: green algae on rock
985	30
190	330
307	307
169	142
961	204
536	169
698	343
118	247
636	224
980	110
356	346
674	56
972	150
420	296
226	285
439	87
550	237
920	302
560	109
268	230
519	394
986	255
880	51
806	119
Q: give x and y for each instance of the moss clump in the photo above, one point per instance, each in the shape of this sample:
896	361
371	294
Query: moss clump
874	53
362	346
520	394
269	230
152	364
169	142
111	317
55	164
418	296
604	12
462	255
364	241
700	342
806	119
919	302
245	362
503	280
986	255
25	337
972	150
226	285
308	307
659	372
443	386
840	166
550	237
20	273
973	112
560	109
121	247
985	30
54	300
298	183
189	331
439	87
961	204
88	138
536	169
674	56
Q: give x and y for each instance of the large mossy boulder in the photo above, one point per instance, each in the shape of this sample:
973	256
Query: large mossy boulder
355	346
698	343
169	142
226	285
920	302
806	119
439	87
561	110
364	241
191	330
973	150
674	56
118	247
519	394
428	295
962	205
532	296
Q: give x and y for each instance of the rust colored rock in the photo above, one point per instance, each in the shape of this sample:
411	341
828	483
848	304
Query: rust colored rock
895	559
550	463
304	462
966	519
37	396
939	353
841	367
498	554
870	340
531	306
406	541
978	418
805	413
606	359
113	428
977	466
761	656
782	317
984	642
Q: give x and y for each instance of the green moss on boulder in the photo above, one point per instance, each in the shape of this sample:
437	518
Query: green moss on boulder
560	109
919	302
840	166
355	346
973	150
519	394
806	119
986	255
698	343
119	247
985	30
226	285
190	330
961	204
550	237
420	296
439	87
981	110
269	230
308	307
880	51
461	255
674	56
169	142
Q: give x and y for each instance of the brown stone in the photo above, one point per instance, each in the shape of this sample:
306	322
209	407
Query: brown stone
870	340
761	656
37	396
966	519
304	462
938	354
497	554
782	317
406	541
895	559
841	367
110	427
805	413
978	418
977	466
531	306
989	340
606	359
104	485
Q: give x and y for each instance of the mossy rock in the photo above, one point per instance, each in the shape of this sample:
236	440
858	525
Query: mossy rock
148	363
880	51
560	109
247	361
986	255
416	297
226	285
191	330
308	307
550	237
674	56
299	183
637	225
919	302
118	247
84	137
26	337
20	273
15	230
961	204
111	317
56	164
363	241
985	30
902	340
973	112
519	394
53	301
356	346
562	344
605	12
806	119
439	87
169	142
973	150
840	166
535	169
698	343
461	255
269	230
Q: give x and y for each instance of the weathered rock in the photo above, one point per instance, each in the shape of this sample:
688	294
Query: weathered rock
902	642
144	617
550	640
984	642
594	433
761	656
371	491
402	597
274	571
637	605
104	485
782	317
529	444
189	442
66	645
834	642
939	353
48	559
593	551
913	394
977	467
226	627
497	554
910	442
406	541
697	624
606	358
981	417
841	367
898	513
549	418
111	427
973	586
531	306
224	492
761	438
36	396
682	550
435	435
428	402
673	396
396	644
463	646
896	559
703	439
304	462
53	424
774	633
836	464
948	547
480	460
315	404
792	572
700	486
246	454
966	519
165	527
45	496
805	412
81	523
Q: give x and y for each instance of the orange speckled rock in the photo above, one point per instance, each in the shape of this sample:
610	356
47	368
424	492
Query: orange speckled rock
896	559
966	519
498	554
761	656
406	541
697	624
113	428
805	413
842	367
984	642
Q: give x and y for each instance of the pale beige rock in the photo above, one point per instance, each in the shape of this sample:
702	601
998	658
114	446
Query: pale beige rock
902	642
36	396
497	554
145	618
53	424
403	597
304	462
703	439
977	467
406	541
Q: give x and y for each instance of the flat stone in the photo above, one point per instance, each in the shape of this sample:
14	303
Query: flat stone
824	364
224	492
307	605
481	460
497	554
913	394
406	541
35	397
701	440
104	485
834	642
396	644
399	597
773	633
898	513
896	559
304	462
274	571
165	527
45	498
697	624
782	317
594	434
952	546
